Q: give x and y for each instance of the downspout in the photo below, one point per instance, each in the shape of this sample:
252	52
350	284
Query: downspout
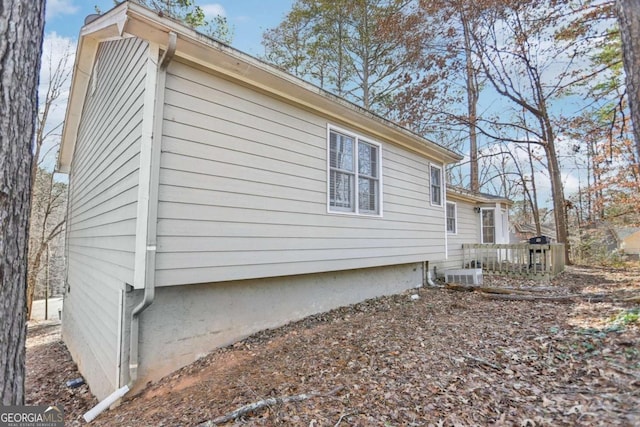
426	272
150	264
444	206
429	280
151	244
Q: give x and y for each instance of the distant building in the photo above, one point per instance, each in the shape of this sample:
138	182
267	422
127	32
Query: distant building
629	241
524	232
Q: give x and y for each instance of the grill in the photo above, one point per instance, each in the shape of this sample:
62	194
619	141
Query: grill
540	240
537	240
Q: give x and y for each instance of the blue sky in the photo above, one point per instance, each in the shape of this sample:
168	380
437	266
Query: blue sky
249	18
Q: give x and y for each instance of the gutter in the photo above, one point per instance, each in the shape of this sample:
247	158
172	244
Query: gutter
151	243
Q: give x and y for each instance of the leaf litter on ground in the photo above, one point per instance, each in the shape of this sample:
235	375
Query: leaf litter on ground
446	358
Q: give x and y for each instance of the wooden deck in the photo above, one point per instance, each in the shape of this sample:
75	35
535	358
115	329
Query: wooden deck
521	259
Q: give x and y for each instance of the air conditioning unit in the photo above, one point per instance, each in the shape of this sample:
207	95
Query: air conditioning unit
465	276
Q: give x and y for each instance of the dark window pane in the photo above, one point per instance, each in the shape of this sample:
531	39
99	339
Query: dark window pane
341	152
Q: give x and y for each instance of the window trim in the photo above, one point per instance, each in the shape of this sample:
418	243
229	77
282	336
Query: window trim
482	210
455	217
439	168
357	138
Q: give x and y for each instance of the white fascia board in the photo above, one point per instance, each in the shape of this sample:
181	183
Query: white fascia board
106	27
477	198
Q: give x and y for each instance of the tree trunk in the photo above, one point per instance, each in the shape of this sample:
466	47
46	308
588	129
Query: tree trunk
472	105
629	22
557	192
32	277
22	22
534	188
35	264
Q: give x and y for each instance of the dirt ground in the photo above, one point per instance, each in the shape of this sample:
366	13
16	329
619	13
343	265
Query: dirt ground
447	358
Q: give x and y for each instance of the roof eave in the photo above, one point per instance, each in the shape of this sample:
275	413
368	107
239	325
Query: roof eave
192	46
464	194
108	26
250	71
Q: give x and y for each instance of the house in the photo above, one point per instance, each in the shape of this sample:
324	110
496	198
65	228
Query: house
472	218
212	196
524	232
629	241
603	239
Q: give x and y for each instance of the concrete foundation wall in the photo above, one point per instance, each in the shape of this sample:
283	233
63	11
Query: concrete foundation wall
185	323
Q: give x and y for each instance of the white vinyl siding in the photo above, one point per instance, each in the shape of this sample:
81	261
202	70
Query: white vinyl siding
452	220
243	191
436	185
353	159
467	231
504	222
102	207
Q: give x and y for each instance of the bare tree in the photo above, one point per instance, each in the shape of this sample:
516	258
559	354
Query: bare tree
462	17
57	73
47	223
530	73
47	196
22	22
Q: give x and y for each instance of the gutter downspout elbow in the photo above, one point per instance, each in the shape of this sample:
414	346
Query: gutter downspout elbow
429	280
168	54
426	274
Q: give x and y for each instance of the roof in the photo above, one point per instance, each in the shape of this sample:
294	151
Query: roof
477	197
131	19
546	230
624	232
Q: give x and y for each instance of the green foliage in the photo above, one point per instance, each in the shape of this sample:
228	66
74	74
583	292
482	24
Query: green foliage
219	29
626	317
192	15
608	58
361	50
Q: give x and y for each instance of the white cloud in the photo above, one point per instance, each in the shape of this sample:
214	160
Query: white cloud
212	10
60	7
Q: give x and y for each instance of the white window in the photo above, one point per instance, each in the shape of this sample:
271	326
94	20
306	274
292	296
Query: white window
354	174
452	223
488	219
436	186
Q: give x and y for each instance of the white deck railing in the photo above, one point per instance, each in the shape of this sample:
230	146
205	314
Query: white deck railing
521	259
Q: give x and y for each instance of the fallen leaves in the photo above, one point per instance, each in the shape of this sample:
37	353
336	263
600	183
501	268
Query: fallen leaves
49	367
447	358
